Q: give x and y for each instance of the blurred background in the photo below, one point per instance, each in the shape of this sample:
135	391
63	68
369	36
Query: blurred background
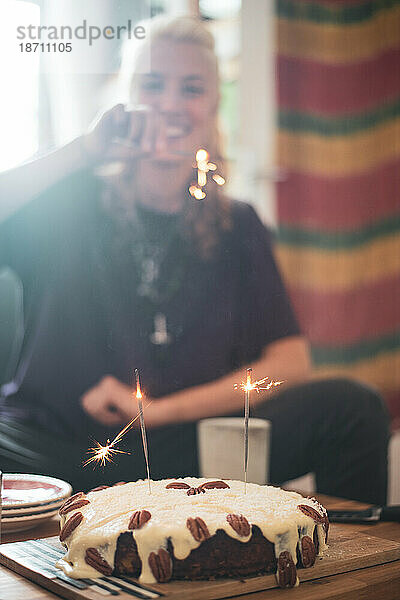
311	116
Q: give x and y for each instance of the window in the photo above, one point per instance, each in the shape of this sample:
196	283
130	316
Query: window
19	99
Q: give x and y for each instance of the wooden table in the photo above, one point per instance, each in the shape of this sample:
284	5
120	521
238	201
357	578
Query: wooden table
374	583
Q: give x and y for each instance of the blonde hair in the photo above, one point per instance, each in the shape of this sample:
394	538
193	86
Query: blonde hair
204	220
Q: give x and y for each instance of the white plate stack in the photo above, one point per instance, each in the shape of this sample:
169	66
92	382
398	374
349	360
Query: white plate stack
28	500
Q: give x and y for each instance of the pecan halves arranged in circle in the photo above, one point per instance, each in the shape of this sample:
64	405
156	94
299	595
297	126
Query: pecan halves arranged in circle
94	559
198	529
139	518
70	526
177	485
210	485
161	565
307	551
316	516
71	500
325	523
240	524
286	574
325	526
74	506
311	512
194	491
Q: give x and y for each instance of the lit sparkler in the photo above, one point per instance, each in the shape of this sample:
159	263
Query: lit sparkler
139	398
248	386
203	166
246	425
103	454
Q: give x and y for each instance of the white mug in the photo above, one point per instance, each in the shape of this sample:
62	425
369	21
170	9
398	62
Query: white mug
221	448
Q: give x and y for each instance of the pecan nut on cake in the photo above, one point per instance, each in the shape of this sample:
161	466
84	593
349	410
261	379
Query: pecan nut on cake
191	529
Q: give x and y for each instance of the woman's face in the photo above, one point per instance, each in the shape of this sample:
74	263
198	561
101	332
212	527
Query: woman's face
181	87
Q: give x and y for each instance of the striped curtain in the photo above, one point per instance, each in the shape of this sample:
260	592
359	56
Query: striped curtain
338	66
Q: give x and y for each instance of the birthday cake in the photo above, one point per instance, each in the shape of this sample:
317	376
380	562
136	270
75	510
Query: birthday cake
191	529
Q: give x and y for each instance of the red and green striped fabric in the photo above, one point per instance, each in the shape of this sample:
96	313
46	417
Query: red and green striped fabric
338	65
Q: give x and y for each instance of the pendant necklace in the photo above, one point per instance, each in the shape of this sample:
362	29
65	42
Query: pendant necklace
160	260
160	335
161	271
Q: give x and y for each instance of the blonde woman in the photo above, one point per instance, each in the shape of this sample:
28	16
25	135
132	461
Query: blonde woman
129	271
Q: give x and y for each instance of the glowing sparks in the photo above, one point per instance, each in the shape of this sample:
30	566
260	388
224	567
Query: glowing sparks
197	192
203	167
218	179
248	386
202	155
138	390
201	178
261	384
102	454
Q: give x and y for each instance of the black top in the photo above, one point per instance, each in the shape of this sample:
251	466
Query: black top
84	317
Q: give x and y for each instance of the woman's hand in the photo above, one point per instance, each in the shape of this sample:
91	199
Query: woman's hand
118	135
121	134
110	402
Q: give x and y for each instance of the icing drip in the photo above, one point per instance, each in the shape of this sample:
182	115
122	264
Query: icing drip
110	510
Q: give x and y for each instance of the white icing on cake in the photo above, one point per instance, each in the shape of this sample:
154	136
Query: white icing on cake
272	509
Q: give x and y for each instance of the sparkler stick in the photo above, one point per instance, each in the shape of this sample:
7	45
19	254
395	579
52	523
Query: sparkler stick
246	426
247	387
142	426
